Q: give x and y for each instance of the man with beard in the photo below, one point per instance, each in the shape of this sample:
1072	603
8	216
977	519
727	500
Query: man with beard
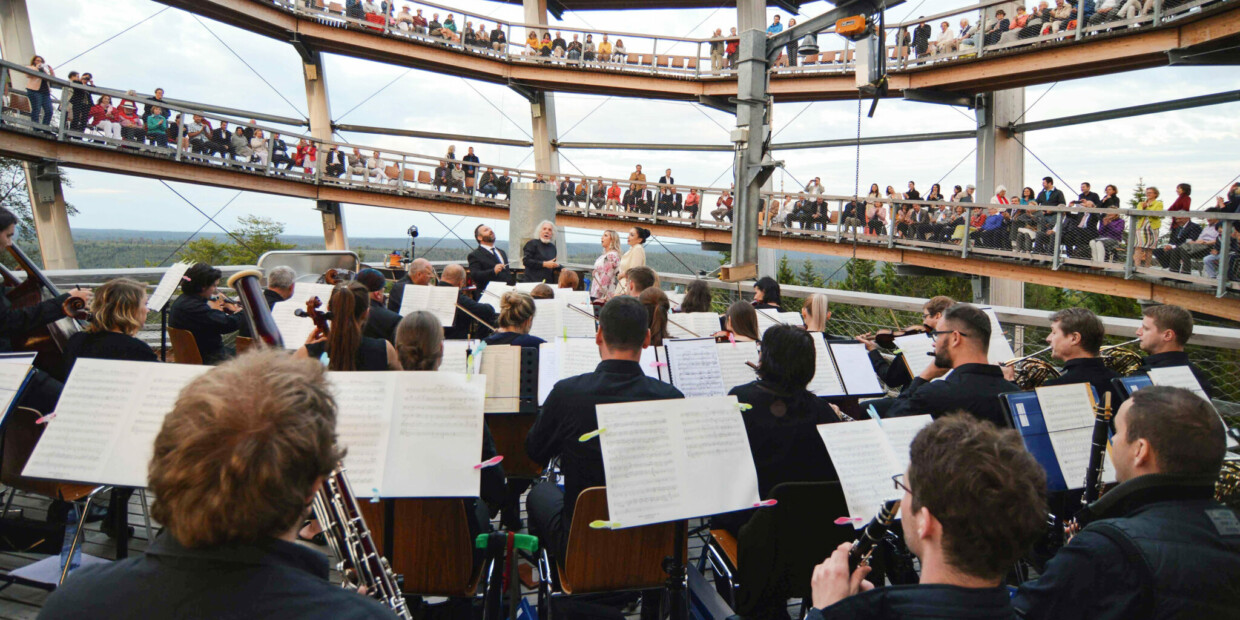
961	342
487	262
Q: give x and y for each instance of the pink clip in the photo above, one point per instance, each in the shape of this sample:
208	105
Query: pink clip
186	278
847	520
45	419
658	364
491	462
732	338
765	503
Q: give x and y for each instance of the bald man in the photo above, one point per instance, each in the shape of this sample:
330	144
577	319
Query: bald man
420	272
454	275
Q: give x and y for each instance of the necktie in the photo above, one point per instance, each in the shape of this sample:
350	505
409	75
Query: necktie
498	258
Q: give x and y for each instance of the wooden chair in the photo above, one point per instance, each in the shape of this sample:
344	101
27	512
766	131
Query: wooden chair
691	63
509	431
633	59
18	103
470	182
184	347
662	60
336	7
438	565
392	172
244	344
809	59
424	177
408	175
600	560
647	60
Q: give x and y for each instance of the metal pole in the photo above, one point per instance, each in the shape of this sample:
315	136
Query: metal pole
65	110
1080	18
1158	8
1056	260
267	167
181	137
1224	258
964	243
1132	242
891	226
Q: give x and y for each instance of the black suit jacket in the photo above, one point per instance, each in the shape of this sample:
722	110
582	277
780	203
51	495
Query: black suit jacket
397	294
208	325
381	323
482	267
1053	197
461	322
972	387
1093	371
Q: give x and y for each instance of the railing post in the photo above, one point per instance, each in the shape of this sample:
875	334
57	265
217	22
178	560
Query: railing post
839	223
981	32
654	57
891	228
1158	8
1080	19
318	160
697	65
65	110
1132	242
1055	258
964	243
270	153
1224	258
400	174
182	139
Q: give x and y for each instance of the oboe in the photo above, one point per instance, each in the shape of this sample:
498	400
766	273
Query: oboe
861	550
1097	462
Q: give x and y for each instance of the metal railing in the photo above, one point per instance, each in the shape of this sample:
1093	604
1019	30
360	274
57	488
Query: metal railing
1038	234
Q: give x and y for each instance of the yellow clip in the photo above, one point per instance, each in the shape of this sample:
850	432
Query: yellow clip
744	406
591	435
604	525
899	351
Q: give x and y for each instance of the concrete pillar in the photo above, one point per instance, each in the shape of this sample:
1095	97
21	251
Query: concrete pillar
542	109
531	204
1001	161
47	199
317	102
752	128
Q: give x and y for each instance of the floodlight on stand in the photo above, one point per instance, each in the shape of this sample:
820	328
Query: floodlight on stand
809	45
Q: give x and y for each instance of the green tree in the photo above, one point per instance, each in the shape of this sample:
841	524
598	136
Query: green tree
807	276
859	276
1138	193
783	271
253	237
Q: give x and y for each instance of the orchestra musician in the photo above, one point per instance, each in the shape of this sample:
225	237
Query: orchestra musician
345	345
657	307
766	294
638	279
961	345
1163	332
201	313
740	322
782	419
895	373
815	314
117	313
462	323
381	322
419	272
538	256
487	262
1076	338
419	345
974	502
697	297
280	284
516	316
569	412
569	280
235	467
1158	545
542	291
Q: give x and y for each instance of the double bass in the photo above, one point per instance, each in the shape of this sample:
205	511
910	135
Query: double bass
49	340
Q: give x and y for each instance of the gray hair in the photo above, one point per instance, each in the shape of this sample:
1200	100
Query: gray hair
546	223
281	277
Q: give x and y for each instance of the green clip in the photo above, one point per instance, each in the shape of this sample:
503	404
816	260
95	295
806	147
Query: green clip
604	525
591	435
524	542
744	406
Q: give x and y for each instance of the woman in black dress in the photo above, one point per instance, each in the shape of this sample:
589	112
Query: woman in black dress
766	294
118	312
345	346
516	316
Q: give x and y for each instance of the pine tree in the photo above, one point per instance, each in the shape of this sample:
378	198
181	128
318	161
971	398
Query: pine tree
783	271
807	276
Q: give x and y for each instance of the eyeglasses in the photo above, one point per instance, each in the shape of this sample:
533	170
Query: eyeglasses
935	334
898	482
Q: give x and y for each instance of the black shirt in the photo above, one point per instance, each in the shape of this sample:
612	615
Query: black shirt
482	262
514	339
381	323
918	602
1178	358
766	305
569	413
208	325
972	387
371	353
397	294
462	322
108	346
262	581
1091	370
533	256
15	322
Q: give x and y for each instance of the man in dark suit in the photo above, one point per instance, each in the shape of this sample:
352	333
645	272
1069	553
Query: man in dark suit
335	162
382	322
420	272
487	262
961	342
564	195
220	141
1085	225
463	325
1075	338
669	199
569	412
1163	332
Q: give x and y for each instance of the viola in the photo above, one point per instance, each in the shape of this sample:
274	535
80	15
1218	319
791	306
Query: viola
313	313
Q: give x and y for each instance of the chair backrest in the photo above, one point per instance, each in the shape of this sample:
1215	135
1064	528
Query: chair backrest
633	59
336	7
438	565
409	176
470	181
692	63
423	176
392	172
244	344
809	59
599	560
184	347
780	546
21	434
19	102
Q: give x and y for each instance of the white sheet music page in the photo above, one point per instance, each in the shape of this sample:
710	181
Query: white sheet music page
295	329
826	381
694	367
501	364
570	296
703	324
548	369
578	320
650	364
364	402
853	363
436	436
167	286
900	433
791	318
528	287
675	459
438	300
767	319
1178	376
918	352
733	369
494	291
106	421
1000	348
1068	413
455	355
578	356
865	462
548	319
12	377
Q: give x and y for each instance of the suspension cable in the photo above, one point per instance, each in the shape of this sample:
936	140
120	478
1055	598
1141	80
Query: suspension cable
1221	189
582	119
92	48
794	118
1044	164
490	103
248	66
204	214
1035	102
195	233
372	96
940	181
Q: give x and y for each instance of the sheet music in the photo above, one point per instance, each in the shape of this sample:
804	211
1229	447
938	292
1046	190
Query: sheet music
577	320
1000	348
106	421
1178	376
826	381
677	299
24	358
694	366
1067	411
900	433
364	402
548	318
675	459
12	377
918	352
494	291
501	364
454	355
570	296
295	329
651	364
528	287
167	286
791	318
438	300
865	462
561	359
548	369
733	369
436	435
853	363
703	324
767	319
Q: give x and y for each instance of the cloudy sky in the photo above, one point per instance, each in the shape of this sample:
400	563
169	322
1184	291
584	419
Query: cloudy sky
181	53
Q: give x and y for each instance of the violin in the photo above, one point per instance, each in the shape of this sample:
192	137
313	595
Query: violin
886	338
336	276
313	313
227	304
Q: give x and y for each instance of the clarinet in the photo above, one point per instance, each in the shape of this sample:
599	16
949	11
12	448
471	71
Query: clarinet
1097	462
861	550
361	564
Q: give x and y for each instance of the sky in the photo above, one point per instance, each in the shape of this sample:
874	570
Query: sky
197	59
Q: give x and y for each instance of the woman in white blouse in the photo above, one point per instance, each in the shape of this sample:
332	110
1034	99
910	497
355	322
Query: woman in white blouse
606	274
635	257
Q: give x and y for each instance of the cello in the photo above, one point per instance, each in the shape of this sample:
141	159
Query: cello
49	340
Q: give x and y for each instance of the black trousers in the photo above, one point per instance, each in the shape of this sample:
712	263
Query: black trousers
545	506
